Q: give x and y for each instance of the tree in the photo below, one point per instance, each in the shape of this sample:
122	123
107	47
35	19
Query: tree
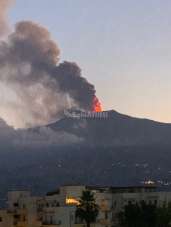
145	215
164	216
87	210
138	215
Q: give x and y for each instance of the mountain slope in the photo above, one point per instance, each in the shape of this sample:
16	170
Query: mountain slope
117	129
119	150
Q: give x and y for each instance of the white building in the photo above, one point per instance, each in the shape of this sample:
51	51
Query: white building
57	209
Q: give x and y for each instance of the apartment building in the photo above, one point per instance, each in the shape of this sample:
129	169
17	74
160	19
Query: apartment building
57	208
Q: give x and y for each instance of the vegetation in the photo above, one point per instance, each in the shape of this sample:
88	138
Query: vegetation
145	215
87	210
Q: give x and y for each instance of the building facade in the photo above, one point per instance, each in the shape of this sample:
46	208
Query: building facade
57	208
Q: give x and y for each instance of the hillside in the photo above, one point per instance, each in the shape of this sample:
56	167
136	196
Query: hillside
120	150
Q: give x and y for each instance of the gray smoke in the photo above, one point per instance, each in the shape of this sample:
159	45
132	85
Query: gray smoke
34	87
41	137
44	136
4	26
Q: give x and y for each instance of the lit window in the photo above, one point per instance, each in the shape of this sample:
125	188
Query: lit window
72	201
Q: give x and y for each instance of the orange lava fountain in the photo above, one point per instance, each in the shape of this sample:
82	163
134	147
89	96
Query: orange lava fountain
96	105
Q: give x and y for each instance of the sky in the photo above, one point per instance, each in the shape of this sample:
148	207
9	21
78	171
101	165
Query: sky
122	46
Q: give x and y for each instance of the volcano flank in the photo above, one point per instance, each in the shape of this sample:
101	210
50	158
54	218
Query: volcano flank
116	150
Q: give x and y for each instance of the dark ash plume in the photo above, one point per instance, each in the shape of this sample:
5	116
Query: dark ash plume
34	87
70	81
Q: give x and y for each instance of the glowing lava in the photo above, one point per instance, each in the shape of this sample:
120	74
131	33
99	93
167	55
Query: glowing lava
96	105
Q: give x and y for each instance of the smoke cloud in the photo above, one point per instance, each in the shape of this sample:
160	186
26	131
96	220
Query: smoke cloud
4	7
34	87
30	138
45	137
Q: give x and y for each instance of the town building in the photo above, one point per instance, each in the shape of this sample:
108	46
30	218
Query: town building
57	208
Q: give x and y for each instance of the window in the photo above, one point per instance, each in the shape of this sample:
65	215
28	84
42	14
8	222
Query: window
24	218
16	205
106	215
51	220
72	201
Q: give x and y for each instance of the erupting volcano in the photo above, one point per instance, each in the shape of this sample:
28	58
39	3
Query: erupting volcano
43	85
97	107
